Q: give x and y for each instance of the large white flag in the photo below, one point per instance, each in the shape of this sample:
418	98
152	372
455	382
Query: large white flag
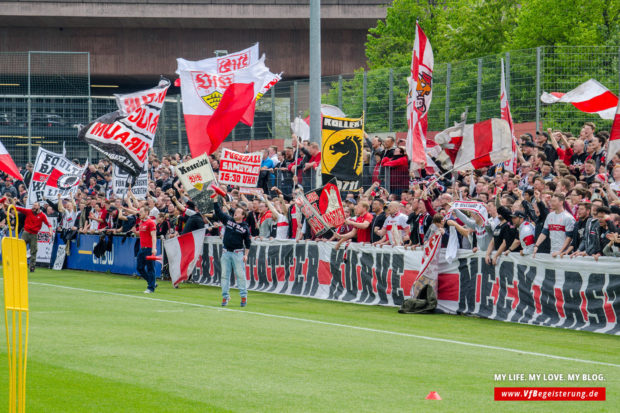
588	97
419	98
184	253
203	87
126	135
477	146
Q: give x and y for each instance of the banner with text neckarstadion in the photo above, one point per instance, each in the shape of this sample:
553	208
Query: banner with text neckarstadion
125	136
577	294
342	151
53	174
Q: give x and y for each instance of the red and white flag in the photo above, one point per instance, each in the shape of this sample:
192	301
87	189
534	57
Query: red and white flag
589	97
184	253
204	85
477	146
419	98
7	165
511	164
614	137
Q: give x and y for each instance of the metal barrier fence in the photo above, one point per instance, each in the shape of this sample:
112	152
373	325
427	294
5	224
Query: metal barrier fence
44	95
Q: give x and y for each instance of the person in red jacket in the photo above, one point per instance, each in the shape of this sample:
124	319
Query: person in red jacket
32	225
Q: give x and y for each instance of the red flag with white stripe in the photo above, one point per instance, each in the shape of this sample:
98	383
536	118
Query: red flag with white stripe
183	253
477	146
589	97
419	98
614	137
7	165
511	164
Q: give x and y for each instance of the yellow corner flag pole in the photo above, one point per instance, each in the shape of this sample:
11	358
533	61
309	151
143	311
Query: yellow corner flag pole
15	267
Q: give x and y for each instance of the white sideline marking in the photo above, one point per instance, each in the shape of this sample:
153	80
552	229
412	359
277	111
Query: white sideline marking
306	320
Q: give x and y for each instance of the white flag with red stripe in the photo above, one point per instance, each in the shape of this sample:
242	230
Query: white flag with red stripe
184	253
511	164
419	98
7	165
477	146
614	137
589	97
203	86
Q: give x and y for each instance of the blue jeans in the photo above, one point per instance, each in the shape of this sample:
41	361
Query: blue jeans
230	261
146	268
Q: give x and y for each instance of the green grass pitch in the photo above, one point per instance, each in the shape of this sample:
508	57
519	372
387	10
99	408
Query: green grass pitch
98	344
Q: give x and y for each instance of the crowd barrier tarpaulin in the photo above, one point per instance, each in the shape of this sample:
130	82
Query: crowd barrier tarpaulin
578	294
120	259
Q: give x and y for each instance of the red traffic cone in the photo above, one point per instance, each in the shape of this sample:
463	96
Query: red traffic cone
157	258
433	396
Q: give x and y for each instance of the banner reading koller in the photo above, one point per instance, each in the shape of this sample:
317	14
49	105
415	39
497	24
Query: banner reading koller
545	291
342	151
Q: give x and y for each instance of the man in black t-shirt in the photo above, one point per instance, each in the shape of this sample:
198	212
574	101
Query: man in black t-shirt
378	219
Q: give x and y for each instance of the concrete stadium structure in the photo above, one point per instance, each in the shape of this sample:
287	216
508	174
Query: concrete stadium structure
132	42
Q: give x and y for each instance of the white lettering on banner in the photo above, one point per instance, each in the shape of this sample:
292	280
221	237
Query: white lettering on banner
106	259
239	169
341	124
519	289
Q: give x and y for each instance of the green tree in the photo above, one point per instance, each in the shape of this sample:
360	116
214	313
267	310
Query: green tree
390	43
565	23
469	29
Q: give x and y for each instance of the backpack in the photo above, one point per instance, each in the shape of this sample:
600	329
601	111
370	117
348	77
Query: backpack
425	303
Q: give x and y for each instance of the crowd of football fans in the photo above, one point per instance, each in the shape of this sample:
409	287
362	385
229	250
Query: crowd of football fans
562	200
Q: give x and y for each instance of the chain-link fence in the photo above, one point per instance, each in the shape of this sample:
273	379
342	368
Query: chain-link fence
43	96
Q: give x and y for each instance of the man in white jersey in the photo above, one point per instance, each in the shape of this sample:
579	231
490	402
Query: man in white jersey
395	229
526	234
558	227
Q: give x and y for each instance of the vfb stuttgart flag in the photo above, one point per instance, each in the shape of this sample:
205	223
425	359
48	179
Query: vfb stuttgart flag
220	92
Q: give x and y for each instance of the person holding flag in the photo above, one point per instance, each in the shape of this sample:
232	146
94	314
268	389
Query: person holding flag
35	219
235	253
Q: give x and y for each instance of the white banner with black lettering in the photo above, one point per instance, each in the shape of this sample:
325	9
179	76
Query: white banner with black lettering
121	181
53	174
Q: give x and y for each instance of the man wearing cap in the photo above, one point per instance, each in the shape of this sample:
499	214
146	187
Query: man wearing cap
526	234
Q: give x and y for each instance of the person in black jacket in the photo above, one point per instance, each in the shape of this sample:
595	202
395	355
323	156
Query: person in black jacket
235	253
193	218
